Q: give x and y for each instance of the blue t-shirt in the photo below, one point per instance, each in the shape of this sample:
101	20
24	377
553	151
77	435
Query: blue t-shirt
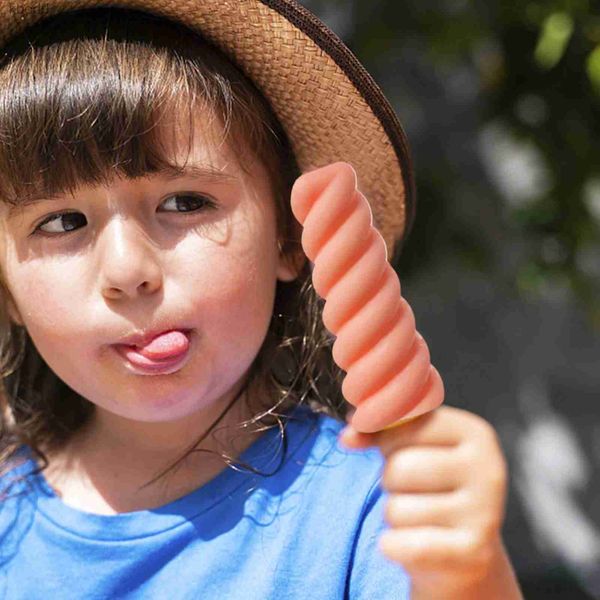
309	530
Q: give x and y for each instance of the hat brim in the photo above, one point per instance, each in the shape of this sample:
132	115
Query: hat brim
329	105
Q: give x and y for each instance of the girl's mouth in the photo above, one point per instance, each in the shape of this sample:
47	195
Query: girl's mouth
164	354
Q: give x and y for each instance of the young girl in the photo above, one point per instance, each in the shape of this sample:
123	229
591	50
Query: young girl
171	412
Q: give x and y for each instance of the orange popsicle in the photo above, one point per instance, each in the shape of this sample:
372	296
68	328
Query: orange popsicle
389	377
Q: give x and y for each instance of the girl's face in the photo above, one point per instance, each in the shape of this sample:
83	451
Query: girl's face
196	252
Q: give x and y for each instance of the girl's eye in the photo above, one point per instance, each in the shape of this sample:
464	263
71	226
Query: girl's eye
53	223
68	221
188	202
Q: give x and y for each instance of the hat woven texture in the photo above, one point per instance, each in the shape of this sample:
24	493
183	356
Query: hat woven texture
330	107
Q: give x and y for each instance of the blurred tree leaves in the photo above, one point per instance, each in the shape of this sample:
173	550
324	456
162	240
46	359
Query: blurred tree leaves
519	80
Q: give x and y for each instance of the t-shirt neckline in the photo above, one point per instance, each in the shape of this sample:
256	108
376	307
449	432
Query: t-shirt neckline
264	454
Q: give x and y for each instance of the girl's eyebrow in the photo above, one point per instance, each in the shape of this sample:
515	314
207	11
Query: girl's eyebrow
197	171
169	173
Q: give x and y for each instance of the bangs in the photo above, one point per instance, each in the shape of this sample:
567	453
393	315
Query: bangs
90	95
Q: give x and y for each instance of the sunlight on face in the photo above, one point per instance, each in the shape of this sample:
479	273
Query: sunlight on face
196	252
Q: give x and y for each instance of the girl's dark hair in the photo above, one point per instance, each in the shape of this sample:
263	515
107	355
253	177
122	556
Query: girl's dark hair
81	95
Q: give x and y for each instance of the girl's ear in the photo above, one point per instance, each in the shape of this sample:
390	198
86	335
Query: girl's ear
292	260
290	265
14	315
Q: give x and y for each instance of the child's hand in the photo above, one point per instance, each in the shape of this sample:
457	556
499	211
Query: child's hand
447	480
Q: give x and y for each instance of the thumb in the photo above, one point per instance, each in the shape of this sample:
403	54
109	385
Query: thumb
352	439
355	440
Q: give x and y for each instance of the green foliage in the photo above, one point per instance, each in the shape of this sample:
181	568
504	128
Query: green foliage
554	36
593	68
536	64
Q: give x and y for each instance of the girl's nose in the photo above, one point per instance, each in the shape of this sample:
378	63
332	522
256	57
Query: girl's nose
129	262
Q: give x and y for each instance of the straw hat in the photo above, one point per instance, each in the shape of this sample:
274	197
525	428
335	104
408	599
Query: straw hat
328	104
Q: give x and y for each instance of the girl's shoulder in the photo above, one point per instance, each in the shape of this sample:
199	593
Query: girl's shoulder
16	508
325	430
14	473
315	449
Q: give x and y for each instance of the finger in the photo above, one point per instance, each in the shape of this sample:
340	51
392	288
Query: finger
413	510
427	548
423	470
354	440
443	426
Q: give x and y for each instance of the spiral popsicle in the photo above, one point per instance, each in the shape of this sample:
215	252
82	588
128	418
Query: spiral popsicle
389	375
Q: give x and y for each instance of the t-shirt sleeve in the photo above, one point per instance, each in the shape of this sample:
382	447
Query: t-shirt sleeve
372	574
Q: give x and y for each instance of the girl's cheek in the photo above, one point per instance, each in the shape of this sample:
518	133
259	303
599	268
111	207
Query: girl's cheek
46	300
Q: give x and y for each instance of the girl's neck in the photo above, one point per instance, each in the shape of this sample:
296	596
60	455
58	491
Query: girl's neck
101	471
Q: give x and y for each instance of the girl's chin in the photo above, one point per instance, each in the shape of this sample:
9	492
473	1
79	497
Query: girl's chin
155	409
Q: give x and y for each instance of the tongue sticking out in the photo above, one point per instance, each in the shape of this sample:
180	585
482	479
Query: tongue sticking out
165	345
